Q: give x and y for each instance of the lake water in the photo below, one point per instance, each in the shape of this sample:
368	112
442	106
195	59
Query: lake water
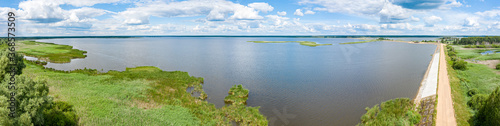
294	85
488	52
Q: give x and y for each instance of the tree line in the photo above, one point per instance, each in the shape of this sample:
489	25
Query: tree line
477	40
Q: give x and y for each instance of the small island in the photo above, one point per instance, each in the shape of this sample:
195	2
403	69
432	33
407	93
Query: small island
366	41
304	43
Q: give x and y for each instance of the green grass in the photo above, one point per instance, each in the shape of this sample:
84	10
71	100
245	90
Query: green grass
305	43
237	95
399	112
475	53
477	76
49	51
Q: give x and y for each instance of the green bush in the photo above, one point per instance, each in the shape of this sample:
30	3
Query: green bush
460	65
467	46
489	114
495	46
481	46
31	99
472	92
398	111
454	58
498	66
60	114
477	101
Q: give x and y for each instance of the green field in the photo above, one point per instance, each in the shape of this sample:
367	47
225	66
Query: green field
476	77
304	43
137	96
49	51
475	53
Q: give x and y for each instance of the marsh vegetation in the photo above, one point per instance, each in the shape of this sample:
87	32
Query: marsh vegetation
473	88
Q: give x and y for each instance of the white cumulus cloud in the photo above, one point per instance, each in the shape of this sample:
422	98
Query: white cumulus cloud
298	12
281	13
263	7
430	21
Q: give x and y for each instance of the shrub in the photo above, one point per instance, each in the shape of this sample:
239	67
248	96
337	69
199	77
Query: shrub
477	101
495	46
398	111
489	114
451	53
460	65
454	58
480	46
467	46
498	66
31	99
472	92
60	114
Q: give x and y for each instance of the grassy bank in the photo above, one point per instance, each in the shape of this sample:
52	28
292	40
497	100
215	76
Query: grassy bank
477	77
399	112
138	96
49	51
305	43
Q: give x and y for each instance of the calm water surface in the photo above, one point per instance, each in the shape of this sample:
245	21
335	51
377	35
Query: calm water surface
294	84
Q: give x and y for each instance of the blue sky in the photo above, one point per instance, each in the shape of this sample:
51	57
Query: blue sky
253	17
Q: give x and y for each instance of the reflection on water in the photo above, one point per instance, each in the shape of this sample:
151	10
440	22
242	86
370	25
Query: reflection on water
294	85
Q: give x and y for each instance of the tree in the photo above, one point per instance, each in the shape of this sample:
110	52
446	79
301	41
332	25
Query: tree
5	62
489	114
31	97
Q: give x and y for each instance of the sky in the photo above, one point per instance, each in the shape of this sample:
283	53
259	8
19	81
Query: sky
252	17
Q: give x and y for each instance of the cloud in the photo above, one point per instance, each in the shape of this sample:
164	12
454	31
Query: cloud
495	25
430	21
393	14
5	10
263	7
419	4
414	19
398	26
490	13
452	3
471	22
281	13
309	12
277	20
80	3
359	7
41	11
215	10
298	12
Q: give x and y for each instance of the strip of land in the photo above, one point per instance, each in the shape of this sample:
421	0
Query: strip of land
429	83
304	43
445	112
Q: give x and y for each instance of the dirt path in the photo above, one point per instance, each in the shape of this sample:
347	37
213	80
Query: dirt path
445	112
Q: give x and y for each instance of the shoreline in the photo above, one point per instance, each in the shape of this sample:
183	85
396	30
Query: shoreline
427	81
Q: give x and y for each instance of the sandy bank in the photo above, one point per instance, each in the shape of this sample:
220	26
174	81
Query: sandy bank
429	82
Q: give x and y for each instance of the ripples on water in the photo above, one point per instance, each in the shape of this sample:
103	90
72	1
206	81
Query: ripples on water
325	85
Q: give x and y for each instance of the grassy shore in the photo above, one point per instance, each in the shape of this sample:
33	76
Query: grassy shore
137	96
49	51
305	43
476	77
